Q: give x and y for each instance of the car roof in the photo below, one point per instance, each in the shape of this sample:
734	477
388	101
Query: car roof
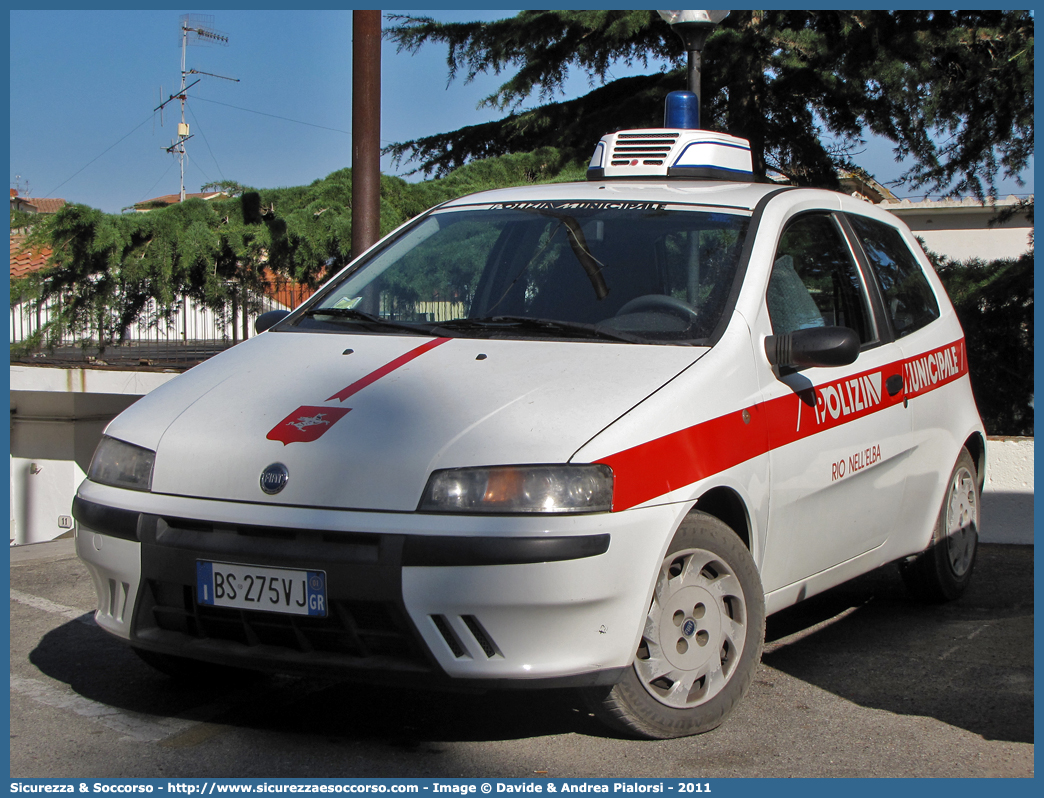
741	196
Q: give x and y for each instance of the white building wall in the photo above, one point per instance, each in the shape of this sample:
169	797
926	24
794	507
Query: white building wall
961	229
41	498
1007	496
964	245
57	418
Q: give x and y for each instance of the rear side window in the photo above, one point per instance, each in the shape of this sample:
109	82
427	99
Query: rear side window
908	297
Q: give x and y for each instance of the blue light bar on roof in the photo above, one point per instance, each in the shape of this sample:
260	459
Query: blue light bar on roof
682	110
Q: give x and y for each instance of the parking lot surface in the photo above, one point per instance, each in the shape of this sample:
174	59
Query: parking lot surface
857	682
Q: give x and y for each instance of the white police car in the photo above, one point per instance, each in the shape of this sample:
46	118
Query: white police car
582	434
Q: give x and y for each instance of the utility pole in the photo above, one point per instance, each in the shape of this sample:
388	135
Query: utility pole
366	130
694	27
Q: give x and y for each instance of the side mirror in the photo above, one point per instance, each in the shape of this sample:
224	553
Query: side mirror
816	346
266	320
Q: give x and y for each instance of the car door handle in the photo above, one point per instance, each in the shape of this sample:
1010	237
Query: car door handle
894	384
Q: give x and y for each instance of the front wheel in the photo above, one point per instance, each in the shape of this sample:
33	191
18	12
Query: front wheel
702	640
942	572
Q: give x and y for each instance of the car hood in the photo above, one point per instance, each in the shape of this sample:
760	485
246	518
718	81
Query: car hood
360	421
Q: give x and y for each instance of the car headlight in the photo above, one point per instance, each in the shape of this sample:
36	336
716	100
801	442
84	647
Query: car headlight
122	465
584	488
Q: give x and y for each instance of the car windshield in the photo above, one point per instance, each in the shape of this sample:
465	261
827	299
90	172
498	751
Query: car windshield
609	271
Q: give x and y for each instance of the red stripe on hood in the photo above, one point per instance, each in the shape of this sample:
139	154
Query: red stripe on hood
386	369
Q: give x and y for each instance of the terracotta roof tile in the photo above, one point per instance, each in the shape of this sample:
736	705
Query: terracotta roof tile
34	205
48	204
173	199
26	261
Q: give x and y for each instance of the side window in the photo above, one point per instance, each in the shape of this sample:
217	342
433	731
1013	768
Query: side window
908	297
815	281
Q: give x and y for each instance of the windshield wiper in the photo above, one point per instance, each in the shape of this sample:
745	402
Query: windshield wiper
514	324
353	315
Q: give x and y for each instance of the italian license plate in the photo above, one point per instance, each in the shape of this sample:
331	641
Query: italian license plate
254	587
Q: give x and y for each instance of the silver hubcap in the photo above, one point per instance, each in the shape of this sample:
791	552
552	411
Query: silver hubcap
962	521
695	631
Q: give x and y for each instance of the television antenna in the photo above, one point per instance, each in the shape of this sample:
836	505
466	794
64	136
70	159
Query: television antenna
196	29
21	188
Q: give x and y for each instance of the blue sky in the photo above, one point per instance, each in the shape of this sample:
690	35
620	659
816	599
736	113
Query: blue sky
84	85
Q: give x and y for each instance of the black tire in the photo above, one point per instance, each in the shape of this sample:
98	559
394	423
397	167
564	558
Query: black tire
702	639
943	571
194	671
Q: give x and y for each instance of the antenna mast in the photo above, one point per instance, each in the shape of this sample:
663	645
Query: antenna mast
201	28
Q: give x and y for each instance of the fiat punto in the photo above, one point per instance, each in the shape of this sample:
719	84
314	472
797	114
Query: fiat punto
584	434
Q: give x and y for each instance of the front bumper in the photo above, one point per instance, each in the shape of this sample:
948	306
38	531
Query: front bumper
511	600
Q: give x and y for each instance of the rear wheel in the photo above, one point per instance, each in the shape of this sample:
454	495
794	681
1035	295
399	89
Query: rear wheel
942	572
702	639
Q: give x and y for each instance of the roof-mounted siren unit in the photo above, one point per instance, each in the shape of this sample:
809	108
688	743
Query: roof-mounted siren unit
676	150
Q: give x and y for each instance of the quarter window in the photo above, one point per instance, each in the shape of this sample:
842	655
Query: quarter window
815	281
908	297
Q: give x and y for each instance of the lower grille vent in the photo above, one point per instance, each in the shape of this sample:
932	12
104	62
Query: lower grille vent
449	636
483	639
355	629
456	645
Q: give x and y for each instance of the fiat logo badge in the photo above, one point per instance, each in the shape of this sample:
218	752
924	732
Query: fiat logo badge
274	478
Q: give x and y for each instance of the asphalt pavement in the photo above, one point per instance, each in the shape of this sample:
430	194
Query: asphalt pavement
858	682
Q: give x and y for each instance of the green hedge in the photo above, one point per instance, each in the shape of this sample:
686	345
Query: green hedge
994	302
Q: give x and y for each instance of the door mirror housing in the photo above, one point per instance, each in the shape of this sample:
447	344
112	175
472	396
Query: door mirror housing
266	320
816	346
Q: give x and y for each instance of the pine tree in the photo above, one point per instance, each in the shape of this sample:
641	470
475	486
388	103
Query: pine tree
109	271
953	90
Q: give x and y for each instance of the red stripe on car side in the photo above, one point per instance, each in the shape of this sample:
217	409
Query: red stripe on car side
386	369
681	458
929	370
659	466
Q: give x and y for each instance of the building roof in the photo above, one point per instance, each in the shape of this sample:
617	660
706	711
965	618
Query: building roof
859	183
174	199
33	205
48	204
26	261
964	205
